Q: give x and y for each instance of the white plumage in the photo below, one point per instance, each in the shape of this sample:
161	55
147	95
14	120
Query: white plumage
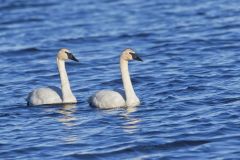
51	94
47	95
106	99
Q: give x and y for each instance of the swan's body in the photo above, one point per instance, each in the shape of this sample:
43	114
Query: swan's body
55	95
111	99
107	99
46	95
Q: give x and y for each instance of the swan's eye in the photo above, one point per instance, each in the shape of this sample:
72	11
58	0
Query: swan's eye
132	54
135	56
71	56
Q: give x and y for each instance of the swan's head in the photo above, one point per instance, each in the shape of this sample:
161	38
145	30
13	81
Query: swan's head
128	54
64	54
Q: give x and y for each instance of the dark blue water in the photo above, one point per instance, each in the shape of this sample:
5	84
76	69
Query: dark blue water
188	82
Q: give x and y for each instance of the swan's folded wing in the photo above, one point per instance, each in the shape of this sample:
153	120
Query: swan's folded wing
107	99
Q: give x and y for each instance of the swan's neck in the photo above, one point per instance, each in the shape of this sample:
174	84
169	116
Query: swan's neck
67	95
131	97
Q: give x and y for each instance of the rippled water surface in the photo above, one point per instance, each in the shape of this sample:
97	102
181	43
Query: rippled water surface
188	83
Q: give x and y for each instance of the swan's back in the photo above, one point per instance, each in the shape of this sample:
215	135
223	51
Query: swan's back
46	95
107	99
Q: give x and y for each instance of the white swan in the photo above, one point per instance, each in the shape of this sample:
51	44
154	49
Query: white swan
110	99
55	95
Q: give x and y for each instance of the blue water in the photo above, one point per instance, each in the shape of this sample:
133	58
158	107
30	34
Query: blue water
188	83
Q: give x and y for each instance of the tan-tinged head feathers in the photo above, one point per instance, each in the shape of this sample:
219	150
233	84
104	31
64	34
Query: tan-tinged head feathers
64	54
129	54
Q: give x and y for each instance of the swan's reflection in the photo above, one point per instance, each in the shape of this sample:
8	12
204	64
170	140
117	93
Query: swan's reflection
67	117
131	125
68	120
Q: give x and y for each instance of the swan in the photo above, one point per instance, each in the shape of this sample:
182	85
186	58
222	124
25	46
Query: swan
51	94
106	99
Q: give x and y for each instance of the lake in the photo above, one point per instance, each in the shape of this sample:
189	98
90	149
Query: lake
188	83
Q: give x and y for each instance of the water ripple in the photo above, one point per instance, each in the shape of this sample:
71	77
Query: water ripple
187	83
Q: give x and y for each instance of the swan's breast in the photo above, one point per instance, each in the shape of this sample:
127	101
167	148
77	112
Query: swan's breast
107	99
133	102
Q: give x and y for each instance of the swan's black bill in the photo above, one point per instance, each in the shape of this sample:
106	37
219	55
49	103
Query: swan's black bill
136	57
71	56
